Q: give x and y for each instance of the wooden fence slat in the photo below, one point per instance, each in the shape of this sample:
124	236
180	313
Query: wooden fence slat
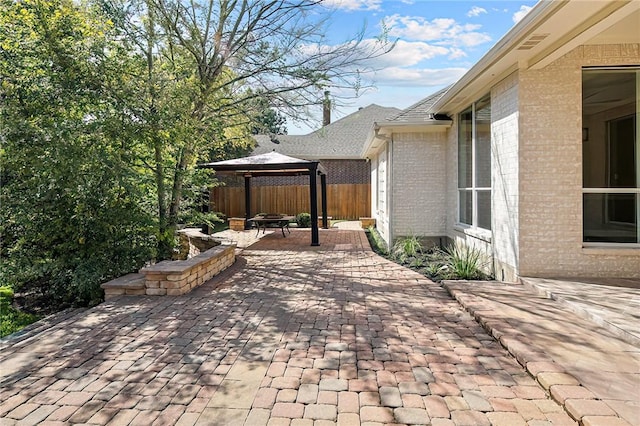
344	201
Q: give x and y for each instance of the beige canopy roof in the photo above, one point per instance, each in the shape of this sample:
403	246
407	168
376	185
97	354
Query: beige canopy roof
275	164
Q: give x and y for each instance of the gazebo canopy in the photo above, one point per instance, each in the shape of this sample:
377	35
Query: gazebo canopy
275	164
269	164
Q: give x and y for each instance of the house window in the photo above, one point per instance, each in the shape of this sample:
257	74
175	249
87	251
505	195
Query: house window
611	156
474	165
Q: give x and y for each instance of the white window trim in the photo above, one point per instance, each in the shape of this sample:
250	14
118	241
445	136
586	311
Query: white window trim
606	245
481	233
633	246
474	232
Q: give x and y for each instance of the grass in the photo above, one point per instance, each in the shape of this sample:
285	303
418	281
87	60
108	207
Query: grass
466	263
406	250
220	226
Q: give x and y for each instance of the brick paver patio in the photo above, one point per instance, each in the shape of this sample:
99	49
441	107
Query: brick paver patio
290	335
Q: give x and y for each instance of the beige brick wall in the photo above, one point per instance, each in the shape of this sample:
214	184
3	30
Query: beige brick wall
550	172
536	177
419	184
504	177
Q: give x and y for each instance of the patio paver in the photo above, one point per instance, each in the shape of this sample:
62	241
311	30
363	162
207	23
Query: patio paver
594	371
291	334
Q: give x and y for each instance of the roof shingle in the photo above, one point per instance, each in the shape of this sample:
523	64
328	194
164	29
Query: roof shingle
421	110
342	139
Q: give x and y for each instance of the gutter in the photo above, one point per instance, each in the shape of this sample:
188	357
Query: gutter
417	123
540	13
377	133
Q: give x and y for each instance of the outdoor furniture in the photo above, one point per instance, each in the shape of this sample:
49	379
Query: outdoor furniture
272	221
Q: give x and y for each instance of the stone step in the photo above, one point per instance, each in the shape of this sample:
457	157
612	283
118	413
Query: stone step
620	323
130	284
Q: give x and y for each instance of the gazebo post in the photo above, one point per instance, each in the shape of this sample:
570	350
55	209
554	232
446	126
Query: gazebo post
313	193
247	201
323	192
274	164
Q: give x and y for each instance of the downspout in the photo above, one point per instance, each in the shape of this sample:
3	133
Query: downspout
390	190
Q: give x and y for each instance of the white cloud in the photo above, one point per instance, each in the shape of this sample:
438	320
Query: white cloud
521	13
408	53
443	31
476	11
352	5
472	39
416	77
455	53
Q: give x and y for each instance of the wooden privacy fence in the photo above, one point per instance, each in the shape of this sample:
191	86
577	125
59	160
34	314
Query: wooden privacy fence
344	201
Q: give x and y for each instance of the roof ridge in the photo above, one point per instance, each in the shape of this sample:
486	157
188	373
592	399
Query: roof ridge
341	139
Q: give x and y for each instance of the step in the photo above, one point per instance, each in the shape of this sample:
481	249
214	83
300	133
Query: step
130	284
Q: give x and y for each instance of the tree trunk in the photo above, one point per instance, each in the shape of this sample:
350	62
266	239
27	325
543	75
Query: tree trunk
165	230
178	183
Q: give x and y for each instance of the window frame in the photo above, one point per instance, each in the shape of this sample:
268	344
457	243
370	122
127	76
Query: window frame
474	189
612	190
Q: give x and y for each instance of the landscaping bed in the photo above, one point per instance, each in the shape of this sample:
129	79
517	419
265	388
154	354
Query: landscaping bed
453	262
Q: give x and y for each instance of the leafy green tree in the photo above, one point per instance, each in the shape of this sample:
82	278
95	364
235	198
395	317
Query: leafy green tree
71	214
207	61
266	120
107	107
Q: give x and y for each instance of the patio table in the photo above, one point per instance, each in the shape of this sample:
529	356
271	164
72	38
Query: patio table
272	221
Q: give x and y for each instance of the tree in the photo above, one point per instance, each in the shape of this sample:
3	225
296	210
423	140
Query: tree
107	107
71	215
266	120
214	58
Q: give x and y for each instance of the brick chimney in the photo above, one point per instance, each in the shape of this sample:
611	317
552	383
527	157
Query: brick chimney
326	109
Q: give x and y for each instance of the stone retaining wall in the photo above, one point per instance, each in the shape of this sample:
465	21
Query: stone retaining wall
173	277
192	242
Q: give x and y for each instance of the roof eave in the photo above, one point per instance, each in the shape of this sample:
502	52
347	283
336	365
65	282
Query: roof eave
539	13
381	132
422	125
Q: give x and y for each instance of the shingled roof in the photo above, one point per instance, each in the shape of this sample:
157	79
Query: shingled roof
420	111
342	139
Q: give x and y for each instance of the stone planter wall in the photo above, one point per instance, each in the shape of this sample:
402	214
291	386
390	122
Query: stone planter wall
193	242
236	223
173	277
366	222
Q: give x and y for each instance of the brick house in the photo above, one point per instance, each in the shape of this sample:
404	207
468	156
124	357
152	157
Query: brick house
337	145
533	155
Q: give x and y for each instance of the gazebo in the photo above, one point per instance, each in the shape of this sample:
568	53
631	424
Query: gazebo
275	164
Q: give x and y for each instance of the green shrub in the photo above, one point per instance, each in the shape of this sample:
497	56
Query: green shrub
404	249
435	264
303	220
6	296
196	218
12	320
465	262
375	240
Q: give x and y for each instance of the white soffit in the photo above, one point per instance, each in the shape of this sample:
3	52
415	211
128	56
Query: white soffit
617	23
554	29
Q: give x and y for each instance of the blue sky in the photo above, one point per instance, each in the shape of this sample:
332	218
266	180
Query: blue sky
437	42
